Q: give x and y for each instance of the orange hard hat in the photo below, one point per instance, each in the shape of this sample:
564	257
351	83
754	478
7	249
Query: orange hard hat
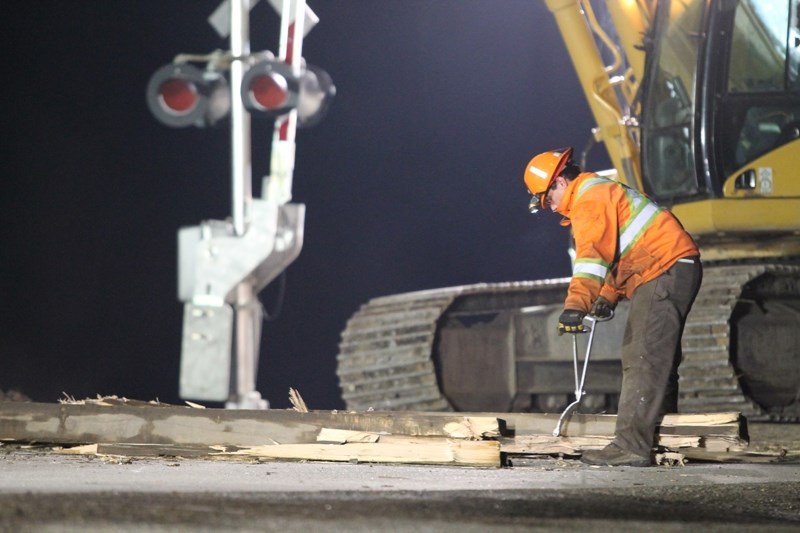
540	173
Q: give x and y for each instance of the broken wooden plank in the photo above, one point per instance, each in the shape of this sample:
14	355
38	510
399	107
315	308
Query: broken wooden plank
701	419
389	449
161	424
149	450
583	425
548	444
473	427
674	442
83	449
575	425
165	424
732	430
425	450
723	443
743	456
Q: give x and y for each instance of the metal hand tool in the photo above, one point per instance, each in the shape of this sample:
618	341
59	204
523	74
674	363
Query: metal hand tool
579	381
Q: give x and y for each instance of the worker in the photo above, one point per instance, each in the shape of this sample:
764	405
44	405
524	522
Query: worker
626	246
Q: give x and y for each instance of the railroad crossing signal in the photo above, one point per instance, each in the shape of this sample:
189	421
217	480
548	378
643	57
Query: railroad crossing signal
223	264
181	95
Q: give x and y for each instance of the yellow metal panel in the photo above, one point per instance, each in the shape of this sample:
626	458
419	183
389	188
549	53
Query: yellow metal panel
755	215
777	173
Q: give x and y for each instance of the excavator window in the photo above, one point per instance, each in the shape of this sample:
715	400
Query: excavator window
761	105
669	104
793	61
758	47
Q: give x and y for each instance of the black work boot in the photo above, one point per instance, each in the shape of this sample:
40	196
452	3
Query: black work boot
613	455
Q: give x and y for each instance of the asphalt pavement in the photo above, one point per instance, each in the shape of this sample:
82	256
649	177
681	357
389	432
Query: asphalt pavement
45	491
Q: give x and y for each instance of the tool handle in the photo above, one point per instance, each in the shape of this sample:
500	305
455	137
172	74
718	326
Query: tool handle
593	318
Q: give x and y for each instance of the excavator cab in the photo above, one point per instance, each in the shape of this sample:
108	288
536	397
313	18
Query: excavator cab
721	106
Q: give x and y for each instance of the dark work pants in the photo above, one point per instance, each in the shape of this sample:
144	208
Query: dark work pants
651	353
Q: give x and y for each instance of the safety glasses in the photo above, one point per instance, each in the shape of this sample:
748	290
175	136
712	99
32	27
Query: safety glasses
538	201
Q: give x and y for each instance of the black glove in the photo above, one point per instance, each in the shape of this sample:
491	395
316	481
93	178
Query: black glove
571	321
602	308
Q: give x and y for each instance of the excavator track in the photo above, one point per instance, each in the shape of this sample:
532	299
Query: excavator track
385	355
709	381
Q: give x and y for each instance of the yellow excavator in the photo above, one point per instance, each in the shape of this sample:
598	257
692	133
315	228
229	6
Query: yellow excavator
698	105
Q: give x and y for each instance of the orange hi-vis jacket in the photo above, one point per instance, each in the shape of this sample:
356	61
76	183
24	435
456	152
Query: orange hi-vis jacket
622	240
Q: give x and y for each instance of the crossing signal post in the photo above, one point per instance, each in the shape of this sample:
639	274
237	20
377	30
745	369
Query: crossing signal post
222	265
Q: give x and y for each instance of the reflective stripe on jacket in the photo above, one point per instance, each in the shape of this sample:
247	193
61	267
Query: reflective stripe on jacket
622	240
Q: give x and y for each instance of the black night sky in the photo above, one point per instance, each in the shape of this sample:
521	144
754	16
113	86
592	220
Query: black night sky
412	181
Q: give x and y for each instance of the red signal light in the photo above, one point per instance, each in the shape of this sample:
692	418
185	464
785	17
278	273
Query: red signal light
182	95
178	96
268	92
270	89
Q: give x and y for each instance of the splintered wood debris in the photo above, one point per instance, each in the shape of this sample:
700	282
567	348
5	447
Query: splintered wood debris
297	401
120	427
